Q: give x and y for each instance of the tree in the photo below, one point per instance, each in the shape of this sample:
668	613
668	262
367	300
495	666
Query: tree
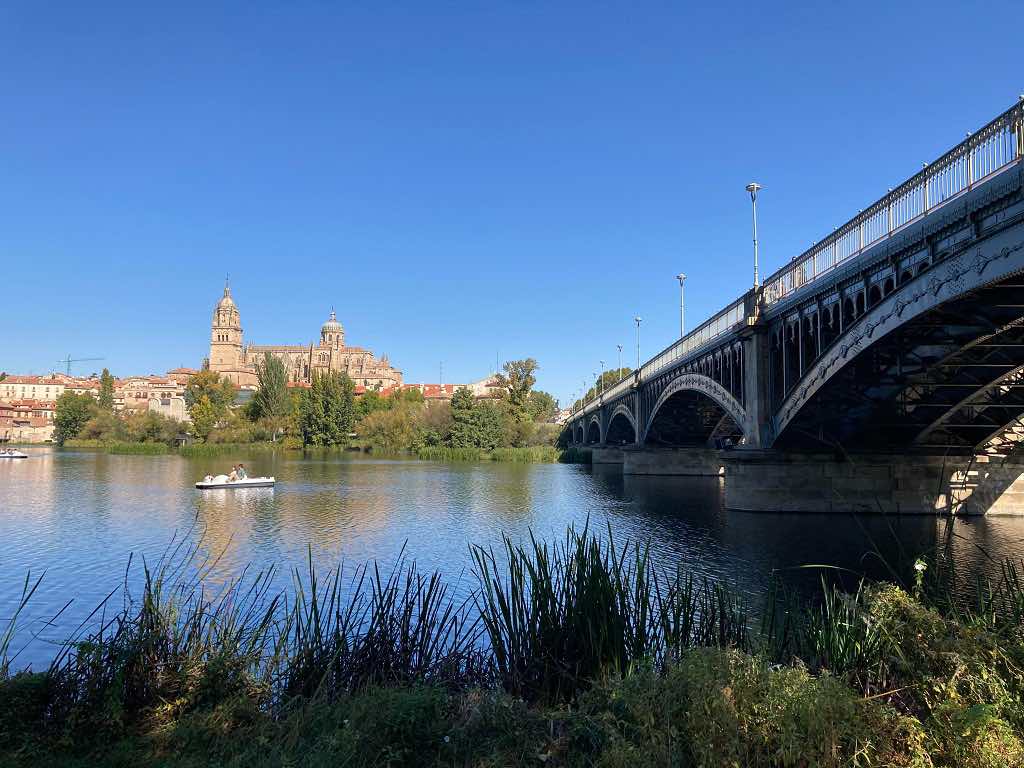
327	413
517	381
204	417
208	397
390	431
475	425
106	391
541	406
271	400
71	414
220	391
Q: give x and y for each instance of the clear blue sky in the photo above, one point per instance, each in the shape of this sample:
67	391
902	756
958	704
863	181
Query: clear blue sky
457	179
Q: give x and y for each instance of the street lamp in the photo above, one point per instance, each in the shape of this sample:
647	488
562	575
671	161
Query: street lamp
682	315
637	320
619	346
753	188
602	376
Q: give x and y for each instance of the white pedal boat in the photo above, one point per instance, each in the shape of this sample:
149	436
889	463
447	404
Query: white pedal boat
221	481
12	454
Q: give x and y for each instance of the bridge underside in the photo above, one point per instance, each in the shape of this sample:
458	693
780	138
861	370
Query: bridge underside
947	382
690	419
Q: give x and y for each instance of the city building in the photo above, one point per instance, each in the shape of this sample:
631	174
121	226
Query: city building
232	358
33	387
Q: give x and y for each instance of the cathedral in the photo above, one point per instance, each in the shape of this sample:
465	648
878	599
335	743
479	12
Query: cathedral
236	361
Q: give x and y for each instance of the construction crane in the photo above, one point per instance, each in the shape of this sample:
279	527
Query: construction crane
67	361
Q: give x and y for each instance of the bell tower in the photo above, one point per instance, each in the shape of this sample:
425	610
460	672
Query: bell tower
226	334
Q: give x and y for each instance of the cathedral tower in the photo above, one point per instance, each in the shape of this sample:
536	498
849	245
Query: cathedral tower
226	334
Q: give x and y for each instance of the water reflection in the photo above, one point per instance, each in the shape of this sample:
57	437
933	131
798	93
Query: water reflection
79	515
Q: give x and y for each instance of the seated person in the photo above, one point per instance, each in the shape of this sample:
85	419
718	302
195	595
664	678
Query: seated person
234	475
242	475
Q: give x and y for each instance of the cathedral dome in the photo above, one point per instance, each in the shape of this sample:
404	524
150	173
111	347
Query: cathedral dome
332	325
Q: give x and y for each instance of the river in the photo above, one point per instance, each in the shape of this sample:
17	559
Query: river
79	515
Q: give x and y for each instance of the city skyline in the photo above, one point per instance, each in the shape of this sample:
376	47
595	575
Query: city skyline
461	187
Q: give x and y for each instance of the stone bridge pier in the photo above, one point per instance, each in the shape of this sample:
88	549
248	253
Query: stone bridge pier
880	371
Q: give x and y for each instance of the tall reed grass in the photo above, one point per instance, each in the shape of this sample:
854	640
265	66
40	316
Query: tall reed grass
544	622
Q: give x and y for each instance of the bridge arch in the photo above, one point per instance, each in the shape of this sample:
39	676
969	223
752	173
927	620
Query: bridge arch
594	431
621	427
691	411
579	436
937	345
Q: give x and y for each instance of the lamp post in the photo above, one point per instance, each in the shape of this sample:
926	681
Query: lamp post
682	311
602	376
637	320
753	188
619	346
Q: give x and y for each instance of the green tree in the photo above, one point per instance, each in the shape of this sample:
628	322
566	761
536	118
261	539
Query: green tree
390	430
328	415
408	396
106	391
71	414
516	383
475	425
371	402
541	406
271	400
207	398
220	391
204	415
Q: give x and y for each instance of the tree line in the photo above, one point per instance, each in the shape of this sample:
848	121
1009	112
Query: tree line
327	413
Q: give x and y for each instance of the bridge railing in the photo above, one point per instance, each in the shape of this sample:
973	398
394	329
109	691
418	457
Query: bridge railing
718	324
989	151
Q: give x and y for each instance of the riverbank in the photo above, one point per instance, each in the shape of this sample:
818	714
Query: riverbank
535	454
584	662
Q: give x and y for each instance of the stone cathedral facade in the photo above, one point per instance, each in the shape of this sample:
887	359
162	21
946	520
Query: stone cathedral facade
230	357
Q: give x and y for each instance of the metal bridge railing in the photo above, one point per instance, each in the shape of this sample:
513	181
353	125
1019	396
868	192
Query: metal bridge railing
983	154
709	330
989	151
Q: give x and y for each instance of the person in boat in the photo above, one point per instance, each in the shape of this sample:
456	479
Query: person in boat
233	476
208	479
241	473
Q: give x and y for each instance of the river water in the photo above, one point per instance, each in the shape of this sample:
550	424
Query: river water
78	516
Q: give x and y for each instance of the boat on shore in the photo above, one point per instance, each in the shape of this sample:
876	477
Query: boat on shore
10	453
222	481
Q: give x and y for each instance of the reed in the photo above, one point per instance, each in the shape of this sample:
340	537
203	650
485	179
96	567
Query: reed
444	453
138	449
559	618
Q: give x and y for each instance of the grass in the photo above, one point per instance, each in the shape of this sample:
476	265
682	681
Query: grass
579	652
539	454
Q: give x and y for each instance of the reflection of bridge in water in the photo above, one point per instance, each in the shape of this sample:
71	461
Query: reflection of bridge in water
881	369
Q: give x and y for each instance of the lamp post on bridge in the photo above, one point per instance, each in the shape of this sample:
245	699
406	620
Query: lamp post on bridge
753	188
638	320
682	312
602	377
619	346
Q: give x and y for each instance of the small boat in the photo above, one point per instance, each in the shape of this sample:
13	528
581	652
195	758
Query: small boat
221	481
10	453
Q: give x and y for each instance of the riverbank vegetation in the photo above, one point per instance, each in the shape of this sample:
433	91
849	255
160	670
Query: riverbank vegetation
574	654
514	425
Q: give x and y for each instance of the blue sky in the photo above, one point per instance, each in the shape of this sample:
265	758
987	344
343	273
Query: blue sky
458	180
